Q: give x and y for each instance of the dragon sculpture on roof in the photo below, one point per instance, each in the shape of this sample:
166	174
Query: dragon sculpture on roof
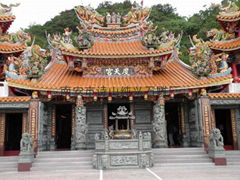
204	62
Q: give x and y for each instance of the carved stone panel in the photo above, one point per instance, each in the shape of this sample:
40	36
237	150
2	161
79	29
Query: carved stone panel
143	116
123	145
94	117
124	160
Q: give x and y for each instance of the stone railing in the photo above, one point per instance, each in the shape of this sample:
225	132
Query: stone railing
123	153
216	150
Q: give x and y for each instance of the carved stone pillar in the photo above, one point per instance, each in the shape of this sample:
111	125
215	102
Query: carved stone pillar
2	133
234	129
159	125
33	121
53	128
81	128
205	115
132	109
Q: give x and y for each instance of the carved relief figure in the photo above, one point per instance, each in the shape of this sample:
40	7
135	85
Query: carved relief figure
26	143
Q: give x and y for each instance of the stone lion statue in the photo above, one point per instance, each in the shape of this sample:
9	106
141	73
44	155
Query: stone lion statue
26	143
215	138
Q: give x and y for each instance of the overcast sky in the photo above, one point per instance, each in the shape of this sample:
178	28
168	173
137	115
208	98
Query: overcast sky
40	11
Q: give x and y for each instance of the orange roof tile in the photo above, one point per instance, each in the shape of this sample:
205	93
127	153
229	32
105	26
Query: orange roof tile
7	18
15	99
173	76
229	16
117	50
11	48
224	95
229	45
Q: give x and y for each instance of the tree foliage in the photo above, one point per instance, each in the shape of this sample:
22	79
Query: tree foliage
163	16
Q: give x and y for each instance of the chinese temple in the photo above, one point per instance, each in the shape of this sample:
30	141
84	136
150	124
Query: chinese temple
117	76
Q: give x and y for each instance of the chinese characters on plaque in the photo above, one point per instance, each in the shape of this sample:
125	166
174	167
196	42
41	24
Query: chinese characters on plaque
117	71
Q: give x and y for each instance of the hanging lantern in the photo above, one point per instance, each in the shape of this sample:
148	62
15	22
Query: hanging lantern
172	93
67	95
79	100
190	92
35	95
49	95
145	96
109	97
95	96
131	97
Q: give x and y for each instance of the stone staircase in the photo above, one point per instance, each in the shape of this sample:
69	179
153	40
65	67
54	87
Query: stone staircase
233	158
63	160
8	163
181	157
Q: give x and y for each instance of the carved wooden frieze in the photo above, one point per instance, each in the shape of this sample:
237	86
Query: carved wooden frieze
14	105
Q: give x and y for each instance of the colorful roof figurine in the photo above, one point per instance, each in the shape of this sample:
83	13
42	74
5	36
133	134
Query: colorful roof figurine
6	17
204	62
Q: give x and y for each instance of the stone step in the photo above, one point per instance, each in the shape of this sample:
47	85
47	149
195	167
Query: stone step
61	159
179	153
183	156
233	163
178	149
8	169
62	167
8	164
182	160
61	163
190	164
66	152
65	155
8	159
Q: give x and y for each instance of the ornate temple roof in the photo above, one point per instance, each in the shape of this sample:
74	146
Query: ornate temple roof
15	99
226	45
229	13
117	50
224	95
7	18
11	48
59	77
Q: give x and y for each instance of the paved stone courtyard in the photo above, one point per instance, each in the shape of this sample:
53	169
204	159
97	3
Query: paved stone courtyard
155	173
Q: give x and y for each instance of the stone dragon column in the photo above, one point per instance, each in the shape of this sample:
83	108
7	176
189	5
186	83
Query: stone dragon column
80	141
159	125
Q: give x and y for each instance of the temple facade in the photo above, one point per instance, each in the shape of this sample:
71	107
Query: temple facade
116	68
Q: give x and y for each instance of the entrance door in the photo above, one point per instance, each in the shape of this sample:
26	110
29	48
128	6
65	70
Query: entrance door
63	126
223	122
13	133
172	118
112	108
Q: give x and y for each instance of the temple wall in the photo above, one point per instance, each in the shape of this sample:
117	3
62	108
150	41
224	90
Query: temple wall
144	115
94	121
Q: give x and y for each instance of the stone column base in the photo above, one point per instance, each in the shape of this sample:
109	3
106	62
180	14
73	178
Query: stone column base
24	167
220	161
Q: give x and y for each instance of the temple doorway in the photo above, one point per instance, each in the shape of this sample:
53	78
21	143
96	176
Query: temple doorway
112	108
63	126
13	133
172	118
223	122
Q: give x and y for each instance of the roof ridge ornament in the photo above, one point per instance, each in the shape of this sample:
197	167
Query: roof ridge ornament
5	10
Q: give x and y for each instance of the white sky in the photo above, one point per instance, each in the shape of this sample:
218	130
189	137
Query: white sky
40	11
